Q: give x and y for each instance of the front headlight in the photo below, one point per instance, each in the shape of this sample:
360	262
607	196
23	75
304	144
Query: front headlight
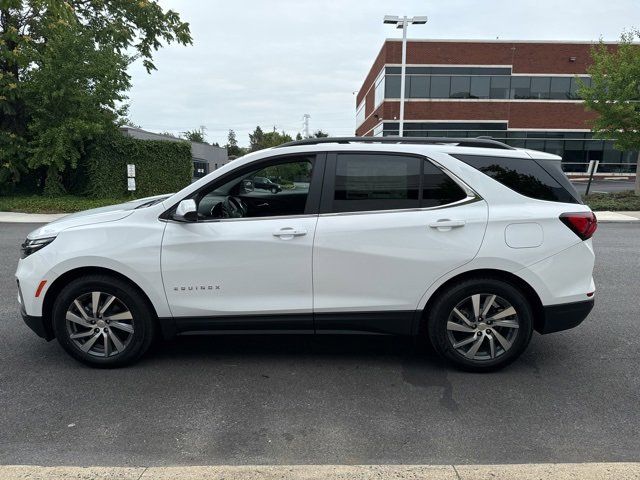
30	246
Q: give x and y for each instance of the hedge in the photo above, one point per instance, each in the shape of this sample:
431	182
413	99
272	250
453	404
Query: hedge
161	167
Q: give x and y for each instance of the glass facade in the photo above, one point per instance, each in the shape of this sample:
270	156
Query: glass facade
477	82
575	148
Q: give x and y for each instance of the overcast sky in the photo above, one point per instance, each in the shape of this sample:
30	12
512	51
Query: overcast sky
268	62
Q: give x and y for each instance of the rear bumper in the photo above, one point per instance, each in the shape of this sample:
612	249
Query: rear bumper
564	316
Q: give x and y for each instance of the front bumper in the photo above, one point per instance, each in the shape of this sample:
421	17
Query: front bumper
564	316
39	326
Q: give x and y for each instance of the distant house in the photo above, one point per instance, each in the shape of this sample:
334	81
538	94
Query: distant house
206	158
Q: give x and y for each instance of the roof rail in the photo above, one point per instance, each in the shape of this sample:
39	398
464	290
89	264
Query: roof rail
461	142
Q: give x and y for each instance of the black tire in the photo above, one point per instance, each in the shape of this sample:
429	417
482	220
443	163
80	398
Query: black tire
143	320
274	190
443	307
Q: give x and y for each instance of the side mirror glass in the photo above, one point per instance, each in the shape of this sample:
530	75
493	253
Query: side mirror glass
248	186
186	211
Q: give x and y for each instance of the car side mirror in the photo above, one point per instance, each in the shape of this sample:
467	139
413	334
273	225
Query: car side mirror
248	185
186	211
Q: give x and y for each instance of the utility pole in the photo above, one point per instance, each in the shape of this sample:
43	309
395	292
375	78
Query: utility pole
306	117
403	23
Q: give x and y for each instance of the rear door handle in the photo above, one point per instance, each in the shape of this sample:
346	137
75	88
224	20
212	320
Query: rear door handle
445	224
287	233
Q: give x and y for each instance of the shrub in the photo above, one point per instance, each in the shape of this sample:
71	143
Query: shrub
161	167
613	201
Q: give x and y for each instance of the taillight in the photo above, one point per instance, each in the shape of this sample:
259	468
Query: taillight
583	224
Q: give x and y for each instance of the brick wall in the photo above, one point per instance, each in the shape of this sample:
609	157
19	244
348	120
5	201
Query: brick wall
550	58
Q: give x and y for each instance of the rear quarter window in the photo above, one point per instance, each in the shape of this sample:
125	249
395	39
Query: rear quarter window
521	175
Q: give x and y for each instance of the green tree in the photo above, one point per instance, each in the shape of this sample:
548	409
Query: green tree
614	94
319	134
256	140
233	150
275	138
63	75
195	135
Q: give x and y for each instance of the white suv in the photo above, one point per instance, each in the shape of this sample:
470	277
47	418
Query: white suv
468	242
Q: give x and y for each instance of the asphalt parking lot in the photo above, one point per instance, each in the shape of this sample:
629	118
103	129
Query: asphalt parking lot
602	185
573	396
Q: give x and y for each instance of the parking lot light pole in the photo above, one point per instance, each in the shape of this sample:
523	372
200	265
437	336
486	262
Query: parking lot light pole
403	23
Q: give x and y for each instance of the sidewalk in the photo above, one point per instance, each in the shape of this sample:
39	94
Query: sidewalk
618	216
547	471
15	217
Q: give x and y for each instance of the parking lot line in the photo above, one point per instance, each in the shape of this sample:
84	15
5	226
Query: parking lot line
548	471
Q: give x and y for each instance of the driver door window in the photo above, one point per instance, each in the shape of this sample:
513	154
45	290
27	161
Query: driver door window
275	190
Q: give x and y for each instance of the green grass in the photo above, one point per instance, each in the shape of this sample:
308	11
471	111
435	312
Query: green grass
62	204
616	201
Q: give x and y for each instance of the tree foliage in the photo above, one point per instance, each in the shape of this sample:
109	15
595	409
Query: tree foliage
614	93
63	77
233	150
195	135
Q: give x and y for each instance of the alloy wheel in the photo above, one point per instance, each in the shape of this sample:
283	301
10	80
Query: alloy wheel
99	324
482	327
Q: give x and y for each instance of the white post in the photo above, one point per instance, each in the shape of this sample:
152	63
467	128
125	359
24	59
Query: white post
403	72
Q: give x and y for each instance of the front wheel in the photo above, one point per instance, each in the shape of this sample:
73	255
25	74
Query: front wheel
481	324
102	321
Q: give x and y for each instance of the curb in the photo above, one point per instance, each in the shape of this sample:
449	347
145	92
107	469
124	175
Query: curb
548	471
17	217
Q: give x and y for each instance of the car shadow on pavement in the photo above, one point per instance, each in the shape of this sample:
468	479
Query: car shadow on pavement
251	347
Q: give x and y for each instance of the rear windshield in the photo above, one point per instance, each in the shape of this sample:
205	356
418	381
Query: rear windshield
522	175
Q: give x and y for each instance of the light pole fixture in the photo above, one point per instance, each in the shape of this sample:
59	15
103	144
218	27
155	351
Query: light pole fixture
403	22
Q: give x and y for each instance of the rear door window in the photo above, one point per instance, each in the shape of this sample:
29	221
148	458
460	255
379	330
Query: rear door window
522	175
371	182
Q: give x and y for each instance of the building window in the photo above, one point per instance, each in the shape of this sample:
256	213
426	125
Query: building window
520	87
560	88
360	116
517	87
480	87
460	87
499	87
392	86
575	148
540	87
380	92
440	86
418	86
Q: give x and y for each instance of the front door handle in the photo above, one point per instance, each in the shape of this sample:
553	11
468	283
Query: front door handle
287	233
445	224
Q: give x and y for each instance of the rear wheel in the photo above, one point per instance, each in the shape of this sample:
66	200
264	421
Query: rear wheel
102	321
481	324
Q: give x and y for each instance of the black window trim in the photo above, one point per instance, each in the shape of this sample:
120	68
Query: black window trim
312	206
328	186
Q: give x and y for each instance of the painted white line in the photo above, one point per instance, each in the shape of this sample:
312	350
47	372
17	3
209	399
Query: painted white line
17	217
547	471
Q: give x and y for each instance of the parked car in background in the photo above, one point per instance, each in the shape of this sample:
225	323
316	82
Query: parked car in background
266	184
468	243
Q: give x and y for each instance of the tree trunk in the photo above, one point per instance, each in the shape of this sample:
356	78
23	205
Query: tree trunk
638	174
